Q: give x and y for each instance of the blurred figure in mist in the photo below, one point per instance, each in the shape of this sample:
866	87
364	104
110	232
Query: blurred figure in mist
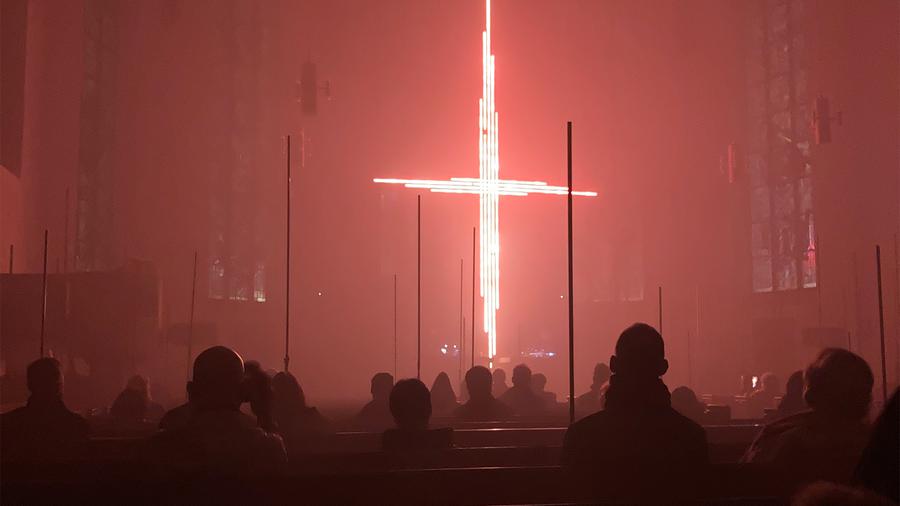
376	415
443	399
685	401
592	401
539	385
521	397
482	405
499	386
763	397
302	427
134	405
792	402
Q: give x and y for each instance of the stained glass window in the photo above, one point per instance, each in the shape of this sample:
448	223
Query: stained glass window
782	230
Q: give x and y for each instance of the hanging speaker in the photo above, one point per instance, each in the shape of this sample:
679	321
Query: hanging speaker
309	89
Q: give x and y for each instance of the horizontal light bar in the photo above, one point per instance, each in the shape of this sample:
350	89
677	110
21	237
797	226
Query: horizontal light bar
485	186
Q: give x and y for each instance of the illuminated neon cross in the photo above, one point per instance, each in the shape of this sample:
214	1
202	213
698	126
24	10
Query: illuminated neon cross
489	187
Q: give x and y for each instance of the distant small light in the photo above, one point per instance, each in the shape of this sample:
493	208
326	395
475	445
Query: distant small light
320	294
561	296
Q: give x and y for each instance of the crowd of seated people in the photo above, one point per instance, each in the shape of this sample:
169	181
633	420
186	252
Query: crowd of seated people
629	421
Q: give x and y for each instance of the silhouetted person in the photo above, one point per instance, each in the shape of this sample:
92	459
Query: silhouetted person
879	467
499	386
410	403
827	441
638	435
685	401
443	399
539	384
763	398
43	429
258	393
592	400
823	493
134	405
792	402
302	427
482	405
521	397
376	414
216	436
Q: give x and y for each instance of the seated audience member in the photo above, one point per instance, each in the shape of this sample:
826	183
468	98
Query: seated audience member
410	404
539	385
521	397
792	402
826	442
44	429
216	436
443	399
879	468
638	438
823	493
763	398
592	401
482	405
499	386
376	414
684	401
258	393
134	405
302	427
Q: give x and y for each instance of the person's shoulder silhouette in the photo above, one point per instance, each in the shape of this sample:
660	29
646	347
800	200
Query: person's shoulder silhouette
302	426
482	405
638	425
443	399
215	436
376	414
521	396
826	441
410	404
592	400
43	429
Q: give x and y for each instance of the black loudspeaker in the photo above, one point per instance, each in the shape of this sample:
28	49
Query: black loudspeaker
309	89
822	120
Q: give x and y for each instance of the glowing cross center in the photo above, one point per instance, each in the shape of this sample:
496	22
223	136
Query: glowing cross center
489	187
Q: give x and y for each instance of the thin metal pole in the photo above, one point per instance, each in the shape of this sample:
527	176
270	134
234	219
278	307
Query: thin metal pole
881	324
462	329
660	304
395	325
11	253
819	278
44	294
472	350
287	267
190	339
571	291
419	287
66	235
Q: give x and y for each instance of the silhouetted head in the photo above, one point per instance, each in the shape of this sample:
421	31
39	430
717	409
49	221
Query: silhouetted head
139	384
218	379
499	376
794	386
45	379
839	384
601	375
684	400
521	376
442	390
410	403
770	382
382	383
286	391
538	382
640	353
478	383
